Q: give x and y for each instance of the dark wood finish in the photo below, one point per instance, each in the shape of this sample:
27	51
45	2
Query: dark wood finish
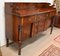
57	20
27	20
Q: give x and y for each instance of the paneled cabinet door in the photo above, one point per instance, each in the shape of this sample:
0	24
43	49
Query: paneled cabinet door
48	21
41	26
25	28
41	22
57	21
26	32
34	29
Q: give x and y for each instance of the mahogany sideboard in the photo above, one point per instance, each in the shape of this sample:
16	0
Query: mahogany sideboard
25	20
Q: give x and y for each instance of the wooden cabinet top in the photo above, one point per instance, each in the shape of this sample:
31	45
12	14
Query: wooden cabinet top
28	9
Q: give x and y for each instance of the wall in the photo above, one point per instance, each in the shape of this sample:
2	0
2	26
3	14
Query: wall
58	4
2	23
2	17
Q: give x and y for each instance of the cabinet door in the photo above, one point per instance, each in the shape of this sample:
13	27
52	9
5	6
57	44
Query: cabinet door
34	29
25	32
57	21
41	22
25	28
48	21
41	26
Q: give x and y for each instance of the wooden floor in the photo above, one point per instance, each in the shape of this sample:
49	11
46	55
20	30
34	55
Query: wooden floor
34	46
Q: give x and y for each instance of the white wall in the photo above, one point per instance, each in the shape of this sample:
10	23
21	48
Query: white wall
2	17
2	25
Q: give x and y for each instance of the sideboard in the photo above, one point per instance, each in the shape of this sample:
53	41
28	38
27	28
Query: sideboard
25	20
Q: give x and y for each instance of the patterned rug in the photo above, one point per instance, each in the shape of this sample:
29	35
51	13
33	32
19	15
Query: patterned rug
51	51
57	39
